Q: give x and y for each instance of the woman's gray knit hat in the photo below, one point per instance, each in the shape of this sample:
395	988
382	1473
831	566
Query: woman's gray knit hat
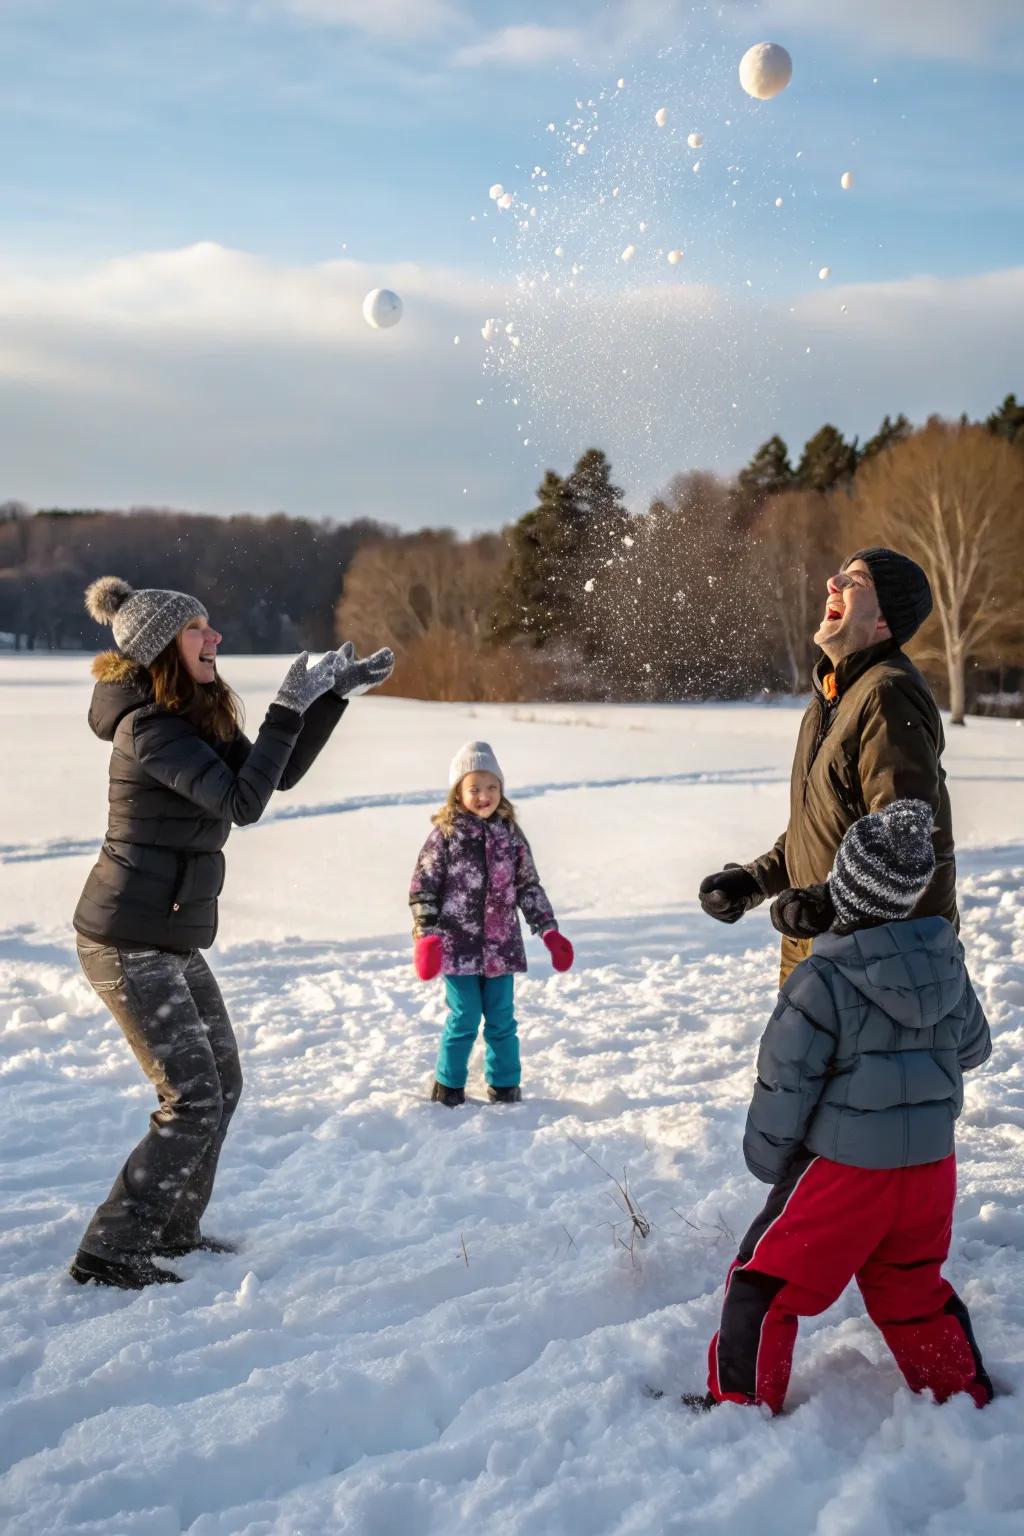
884	865
144	622
474	757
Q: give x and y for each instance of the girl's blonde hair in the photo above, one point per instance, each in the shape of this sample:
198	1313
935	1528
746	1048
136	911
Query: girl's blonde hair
453	806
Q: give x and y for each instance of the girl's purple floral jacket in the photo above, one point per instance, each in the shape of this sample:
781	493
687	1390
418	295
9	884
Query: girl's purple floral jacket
466	887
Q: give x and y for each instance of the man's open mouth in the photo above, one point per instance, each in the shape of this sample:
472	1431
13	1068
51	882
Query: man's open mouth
832	612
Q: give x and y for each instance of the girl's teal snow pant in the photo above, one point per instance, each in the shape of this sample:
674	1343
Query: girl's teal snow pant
469	999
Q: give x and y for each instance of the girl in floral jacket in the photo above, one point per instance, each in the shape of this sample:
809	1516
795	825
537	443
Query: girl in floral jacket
472	872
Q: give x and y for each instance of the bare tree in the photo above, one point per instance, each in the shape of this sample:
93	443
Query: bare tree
427	595
952	497
797	549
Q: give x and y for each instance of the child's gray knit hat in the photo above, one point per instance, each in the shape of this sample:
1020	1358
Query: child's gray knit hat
144	622
883	865
474	757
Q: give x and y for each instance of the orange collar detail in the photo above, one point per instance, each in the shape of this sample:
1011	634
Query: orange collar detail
829	687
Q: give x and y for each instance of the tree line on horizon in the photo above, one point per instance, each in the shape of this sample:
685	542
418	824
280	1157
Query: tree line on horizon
712	592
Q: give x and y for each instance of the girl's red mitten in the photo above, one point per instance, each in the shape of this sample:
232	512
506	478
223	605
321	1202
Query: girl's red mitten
427	955
562	952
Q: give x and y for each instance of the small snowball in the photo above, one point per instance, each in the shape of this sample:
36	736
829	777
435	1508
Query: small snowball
621	84
627	541
628	253
674	258
695	140
824	273
616	191
581	149
846	180
495	191
661	116
778	202
588	586
505	200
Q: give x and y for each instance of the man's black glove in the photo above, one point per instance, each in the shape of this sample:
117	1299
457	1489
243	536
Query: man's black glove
727	895
803	914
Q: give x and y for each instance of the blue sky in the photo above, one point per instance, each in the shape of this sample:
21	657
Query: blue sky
196	193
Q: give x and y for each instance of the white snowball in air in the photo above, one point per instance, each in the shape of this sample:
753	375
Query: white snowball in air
674	258
382	309
495	191
824	273
661	116
628	253
581	149
695	140
489	330
588	586
510	328
846	180
505	200
559	251
620	84
778	202
765	70
616	191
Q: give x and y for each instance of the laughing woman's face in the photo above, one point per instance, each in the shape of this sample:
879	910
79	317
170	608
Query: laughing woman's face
197	647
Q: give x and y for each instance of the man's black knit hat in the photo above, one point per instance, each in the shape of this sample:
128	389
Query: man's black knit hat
904	595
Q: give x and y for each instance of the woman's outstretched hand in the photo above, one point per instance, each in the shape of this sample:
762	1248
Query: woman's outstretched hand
352	676
304	683
561	951
427	955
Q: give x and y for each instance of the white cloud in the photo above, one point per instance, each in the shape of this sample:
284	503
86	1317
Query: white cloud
210	378
936	29
521	46
394	20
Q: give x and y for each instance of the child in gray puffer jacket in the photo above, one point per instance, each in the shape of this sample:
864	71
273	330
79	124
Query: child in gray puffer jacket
859	1083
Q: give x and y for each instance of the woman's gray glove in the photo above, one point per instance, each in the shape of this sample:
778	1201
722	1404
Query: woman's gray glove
304	683
352	676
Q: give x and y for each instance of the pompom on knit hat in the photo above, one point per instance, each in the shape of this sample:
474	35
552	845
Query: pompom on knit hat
474	757
144	621
904	594
883	865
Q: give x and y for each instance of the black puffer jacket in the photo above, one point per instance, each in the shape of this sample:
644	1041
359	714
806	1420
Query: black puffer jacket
173	798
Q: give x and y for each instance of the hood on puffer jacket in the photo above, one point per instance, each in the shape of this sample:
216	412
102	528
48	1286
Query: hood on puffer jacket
913	971
121	686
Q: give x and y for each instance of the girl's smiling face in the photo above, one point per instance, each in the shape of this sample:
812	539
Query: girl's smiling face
480	794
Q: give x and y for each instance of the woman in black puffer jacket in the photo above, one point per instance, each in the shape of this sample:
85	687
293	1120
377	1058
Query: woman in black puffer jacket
181	773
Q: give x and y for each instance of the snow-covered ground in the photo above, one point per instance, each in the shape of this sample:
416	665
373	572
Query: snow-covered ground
434	1324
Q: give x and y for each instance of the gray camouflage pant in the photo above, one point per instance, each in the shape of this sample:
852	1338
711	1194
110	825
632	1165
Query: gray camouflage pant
171	1012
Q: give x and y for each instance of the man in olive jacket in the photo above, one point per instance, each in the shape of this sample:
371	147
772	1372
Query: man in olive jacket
871	734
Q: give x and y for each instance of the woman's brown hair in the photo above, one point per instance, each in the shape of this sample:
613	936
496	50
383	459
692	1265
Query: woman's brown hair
453	807
213	708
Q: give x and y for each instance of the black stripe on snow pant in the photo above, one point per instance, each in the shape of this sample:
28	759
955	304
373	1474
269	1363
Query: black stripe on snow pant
749	1296
955	1308
773	1208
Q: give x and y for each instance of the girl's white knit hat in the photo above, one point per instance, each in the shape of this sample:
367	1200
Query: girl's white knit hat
474	757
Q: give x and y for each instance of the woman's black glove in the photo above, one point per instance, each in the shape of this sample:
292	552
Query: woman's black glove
803	914
727	895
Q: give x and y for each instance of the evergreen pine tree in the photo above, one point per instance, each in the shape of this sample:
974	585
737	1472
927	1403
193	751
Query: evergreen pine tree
768	473
828	460
888	433
1008	421
536	597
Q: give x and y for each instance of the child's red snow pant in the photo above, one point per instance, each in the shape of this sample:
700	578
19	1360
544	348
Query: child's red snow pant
823	1225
